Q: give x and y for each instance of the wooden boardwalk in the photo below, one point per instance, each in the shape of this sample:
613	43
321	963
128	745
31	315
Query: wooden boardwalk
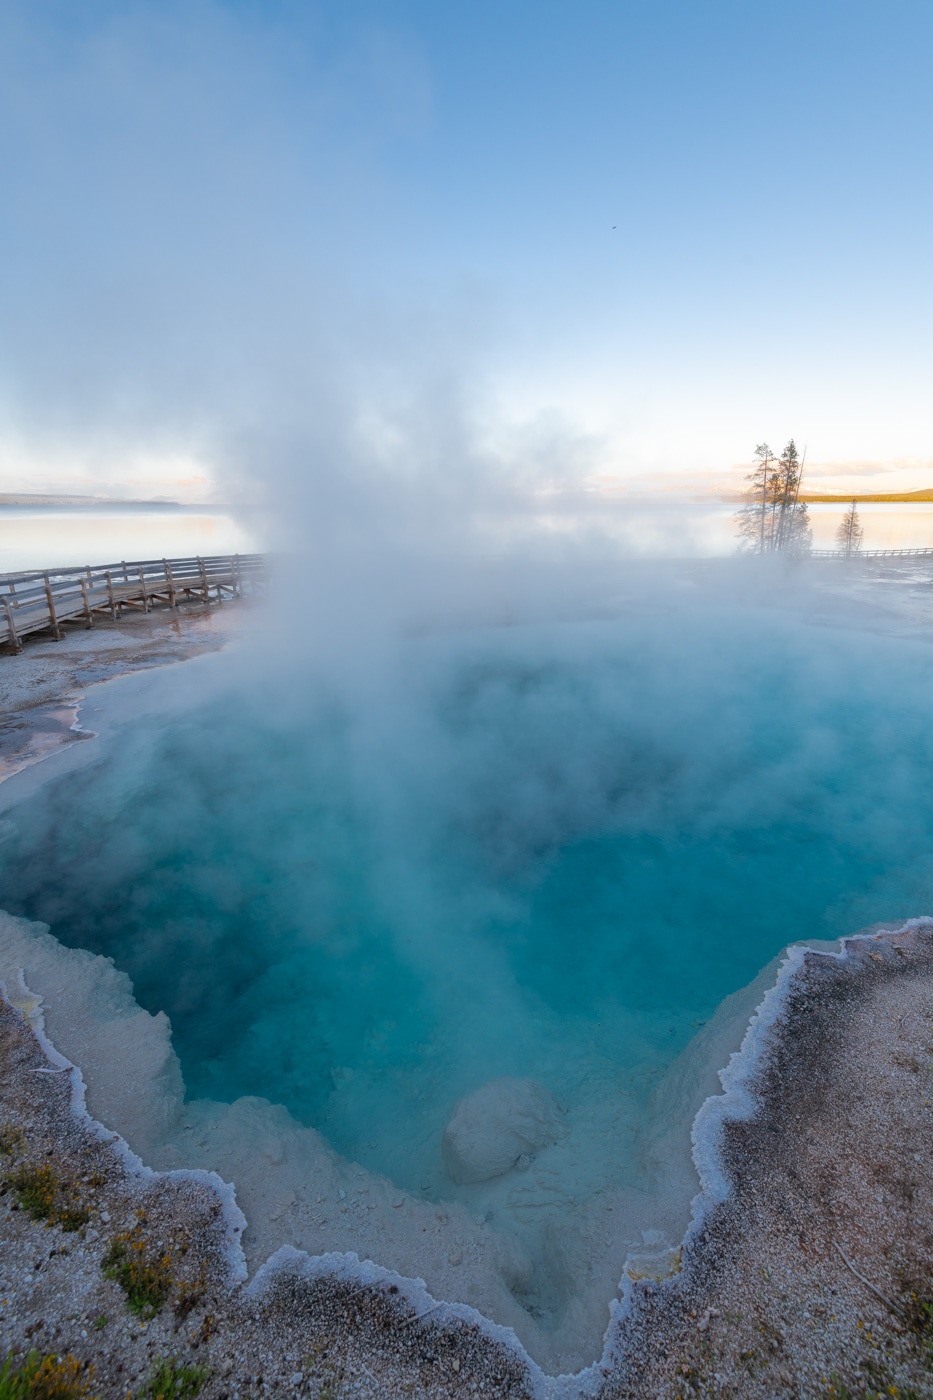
42	600
871	553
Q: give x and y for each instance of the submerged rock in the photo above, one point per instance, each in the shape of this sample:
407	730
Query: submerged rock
499	1126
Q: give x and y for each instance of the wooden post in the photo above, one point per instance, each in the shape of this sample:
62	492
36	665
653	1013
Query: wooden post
171	583
237	590
207	591
14	637
56	630
87	607
142	586
126	577
113	606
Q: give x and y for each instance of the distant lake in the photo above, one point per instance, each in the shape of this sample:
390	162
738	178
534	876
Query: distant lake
885	526
47	537
34	537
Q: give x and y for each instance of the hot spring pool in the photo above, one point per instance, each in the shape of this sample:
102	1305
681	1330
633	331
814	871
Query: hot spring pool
543	853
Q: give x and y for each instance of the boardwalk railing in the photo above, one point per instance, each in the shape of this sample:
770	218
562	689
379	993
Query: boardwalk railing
42	600
871	553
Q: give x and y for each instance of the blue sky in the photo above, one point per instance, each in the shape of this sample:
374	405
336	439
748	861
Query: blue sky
618	241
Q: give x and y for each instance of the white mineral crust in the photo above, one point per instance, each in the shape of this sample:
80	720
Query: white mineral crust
500	1123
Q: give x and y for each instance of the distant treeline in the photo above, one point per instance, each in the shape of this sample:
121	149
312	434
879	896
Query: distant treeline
882	498
25	500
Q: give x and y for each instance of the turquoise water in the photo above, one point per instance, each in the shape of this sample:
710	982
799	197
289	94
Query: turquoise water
533	851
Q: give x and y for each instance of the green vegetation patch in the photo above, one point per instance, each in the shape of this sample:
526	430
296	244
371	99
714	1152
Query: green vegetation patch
145	1277
174	1380
11	1139
45	1197
37	1377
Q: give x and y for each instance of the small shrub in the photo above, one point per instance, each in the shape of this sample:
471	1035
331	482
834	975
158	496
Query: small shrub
173	1380
35	1189
38	1377
145	1279
71	1218
190	1293
918	1314
41	1194
11	1139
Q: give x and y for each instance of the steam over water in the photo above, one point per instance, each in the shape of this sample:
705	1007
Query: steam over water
544	852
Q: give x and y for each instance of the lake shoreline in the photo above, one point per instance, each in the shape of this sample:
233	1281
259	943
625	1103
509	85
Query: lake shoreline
43	686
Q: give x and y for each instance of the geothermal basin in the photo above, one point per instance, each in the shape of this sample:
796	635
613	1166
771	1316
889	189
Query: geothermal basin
440	962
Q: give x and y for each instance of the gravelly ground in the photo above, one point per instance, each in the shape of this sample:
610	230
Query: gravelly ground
40	686
836	1166
831	1178
316	1339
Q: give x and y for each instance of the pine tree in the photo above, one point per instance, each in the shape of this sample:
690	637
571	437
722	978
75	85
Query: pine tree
792	531
773	517
754	519
849	533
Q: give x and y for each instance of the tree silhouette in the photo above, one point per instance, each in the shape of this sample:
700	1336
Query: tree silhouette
773	517
849	532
